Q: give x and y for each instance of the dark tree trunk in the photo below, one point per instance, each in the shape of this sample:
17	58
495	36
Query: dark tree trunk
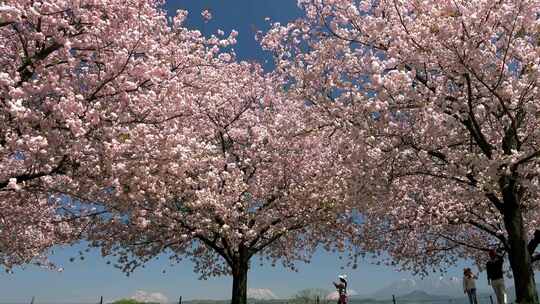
239	292
518	253
240	274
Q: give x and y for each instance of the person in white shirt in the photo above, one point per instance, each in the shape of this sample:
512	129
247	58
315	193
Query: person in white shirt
342	289
469	285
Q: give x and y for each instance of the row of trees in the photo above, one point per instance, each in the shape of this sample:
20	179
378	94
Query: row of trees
405	127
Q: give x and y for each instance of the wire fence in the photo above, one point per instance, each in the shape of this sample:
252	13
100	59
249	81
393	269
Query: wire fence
482	299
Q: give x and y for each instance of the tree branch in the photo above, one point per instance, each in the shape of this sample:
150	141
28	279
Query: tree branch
26	74
495	200
533	243
462	243
501	237
59	169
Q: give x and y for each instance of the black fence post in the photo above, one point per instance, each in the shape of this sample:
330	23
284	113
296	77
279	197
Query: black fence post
32	301
317	299
180	300
394	299
491	299
101	300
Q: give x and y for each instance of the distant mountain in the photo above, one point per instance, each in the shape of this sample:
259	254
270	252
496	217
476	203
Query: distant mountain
441	286
435	290
406	292
414	297
420	295
261	294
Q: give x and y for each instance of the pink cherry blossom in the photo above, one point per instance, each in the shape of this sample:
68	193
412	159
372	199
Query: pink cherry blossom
440	102
238	173
206	15
73	73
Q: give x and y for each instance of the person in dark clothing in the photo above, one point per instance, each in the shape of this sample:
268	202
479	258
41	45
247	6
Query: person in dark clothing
341	289
495	275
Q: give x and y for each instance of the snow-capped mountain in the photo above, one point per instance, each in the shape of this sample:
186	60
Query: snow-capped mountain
261	294
443	286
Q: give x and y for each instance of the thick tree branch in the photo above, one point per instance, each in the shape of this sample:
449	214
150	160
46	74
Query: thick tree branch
526	159
501	237
255	249
218	249
534	242
59	169
2	24
462	243
495	200
24	70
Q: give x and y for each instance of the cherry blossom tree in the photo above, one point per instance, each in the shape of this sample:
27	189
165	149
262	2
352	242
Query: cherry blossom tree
440	100
239	174
68	69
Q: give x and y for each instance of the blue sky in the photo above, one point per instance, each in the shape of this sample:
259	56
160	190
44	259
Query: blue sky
84	281
245	16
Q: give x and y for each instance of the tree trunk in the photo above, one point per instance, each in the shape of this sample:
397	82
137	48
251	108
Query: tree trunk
520	259
240	272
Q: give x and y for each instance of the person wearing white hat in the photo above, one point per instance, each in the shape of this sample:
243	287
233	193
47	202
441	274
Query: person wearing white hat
342	289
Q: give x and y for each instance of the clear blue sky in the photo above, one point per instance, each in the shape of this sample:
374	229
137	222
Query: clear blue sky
85	281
